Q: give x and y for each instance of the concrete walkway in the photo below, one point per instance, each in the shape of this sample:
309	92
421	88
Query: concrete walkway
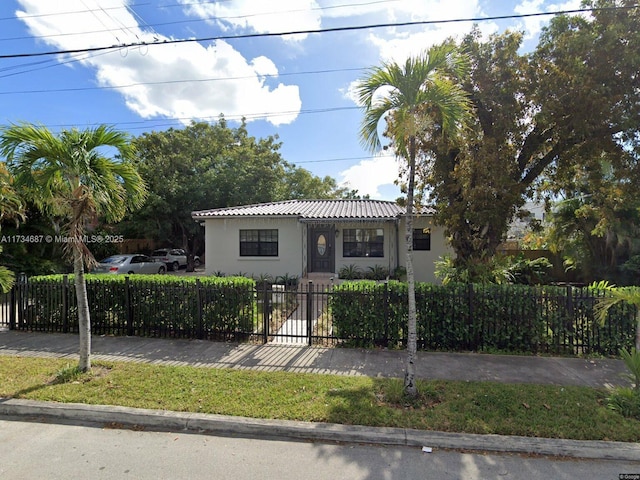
336	361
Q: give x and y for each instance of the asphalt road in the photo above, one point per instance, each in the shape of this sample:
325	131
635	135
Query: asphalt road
39	450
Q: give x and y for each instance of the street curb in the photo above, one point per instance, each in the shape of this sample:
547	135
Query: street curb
224	425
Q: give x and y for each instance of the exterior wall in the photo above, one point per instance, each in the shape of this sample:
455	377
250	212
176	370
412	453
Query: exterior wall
424	261
222	247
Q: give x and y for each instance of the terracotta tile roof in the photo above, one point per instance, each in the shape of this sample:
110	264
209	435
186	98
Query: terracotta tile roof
311	210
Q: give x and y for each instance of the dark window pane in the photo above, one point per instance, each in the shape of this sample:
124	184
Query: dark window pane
422	239
259	243
363	242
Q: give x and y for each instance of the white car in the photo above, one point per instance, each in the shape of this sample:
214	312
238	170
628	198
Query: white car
130	264
174	258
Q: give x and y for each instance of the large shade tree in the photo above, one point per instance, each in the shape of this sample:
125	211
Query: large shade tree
418	98
74	176
570	102
215	165
595	223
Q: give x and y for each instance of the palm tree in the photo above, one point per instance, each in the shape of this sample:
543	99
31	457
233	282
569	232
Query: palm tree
630	295
11	207
417	98
70	176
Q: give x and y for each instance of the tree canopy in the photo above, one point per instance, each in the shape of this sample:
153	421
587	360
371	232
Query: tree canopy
538	118
69	176
205	166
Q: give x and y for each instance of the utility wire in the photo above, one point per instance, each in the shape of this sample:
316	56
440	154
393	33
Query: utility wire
171	82
312	31
177	22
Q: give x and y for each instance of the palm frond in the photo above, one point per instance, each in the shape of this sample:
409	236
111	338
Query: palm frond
69	176
427	82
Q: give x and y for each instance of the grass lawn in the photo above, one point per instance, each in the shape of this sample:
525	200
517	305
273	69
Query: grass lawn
471	407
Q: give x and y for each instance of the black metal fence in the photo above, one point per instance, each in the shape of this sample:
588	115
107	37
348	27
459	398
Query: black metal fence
505	318
452	318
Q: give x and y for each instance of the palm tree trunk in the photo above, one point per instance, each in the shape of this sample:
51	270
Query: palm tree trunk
410	387
84	320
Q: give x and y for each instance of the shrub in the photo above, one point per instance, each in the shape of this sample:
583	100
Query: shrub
513	318
289	281
350	272
499	269
625	401
377	272
145	305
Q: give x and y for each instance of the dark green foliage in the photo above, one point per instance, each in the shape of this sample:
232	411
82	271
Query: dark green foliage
361	313
377	272
144	305
354	272
508	318
351	272
530	272
625	401
452	317
211	165
288	280
499	269
560	122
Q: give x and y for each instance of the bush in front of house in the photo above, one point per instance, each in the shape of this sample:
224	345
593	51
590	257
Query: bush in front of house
360	313
508	318
144	305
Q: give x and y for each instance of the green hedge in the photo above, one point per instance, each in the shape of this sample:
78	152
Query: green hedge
454	317
144	305
508	318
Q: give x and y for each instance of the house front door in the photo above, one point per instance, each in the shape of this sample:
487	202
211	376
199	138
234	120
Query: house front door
321	249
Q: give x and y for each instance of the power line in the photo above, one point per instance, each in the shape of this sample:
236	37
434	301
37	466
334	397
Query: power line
312	31
171	82
49	63
177	22
141	124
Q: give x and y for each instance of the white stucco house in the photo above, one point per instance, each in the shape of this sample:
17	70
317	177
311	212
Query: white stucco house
301	237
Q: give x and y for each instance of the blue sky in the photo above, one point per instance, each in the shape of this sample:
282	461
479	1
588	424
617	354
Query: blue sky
297	87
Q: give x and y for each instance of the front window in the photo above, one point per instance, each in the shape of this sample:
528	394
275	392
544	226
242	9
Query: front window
422	239
259	243
363	242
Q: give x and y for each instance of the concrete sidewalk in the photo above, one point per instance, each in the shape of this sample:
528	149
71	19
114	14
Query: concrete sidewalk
335	361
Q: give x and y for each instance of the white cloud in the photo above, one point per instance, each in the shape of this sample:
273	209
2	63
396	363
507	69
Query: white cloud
185	80
532	26
349	93
397	44
273	16
369	175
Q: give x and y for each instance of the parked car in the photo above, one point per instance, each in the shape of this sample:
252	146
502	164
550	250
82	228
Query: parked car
174	258
130	264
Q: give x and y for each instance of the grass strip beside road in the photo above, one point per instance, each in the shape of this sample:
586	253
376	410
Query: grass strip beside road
578	413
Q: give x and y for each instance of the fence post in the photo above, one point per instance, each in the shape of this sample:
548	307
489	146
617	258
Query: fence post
569	326
199	301
65	317
309	312
385	299
265	313
12	306
22	300
476	339
128	307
